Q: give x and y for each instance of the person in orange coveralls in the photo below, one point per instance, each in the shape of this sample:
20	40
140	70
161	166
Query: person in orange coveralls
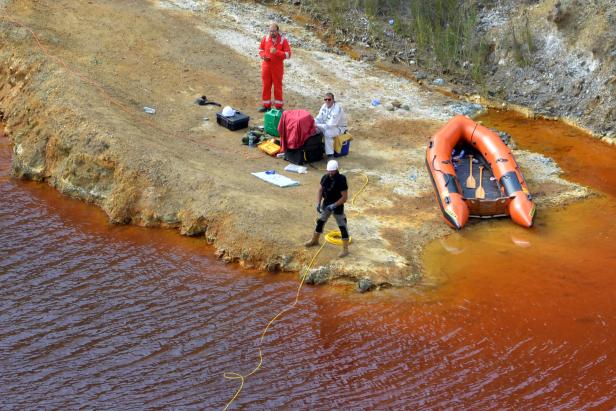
274	50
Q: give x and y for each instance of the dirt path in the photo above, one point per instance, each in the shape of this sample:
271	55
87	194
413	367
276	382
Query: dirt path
74	110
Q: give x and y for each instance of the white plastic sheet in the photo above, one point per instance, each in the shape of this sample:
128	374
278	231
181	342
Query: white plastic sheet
276	179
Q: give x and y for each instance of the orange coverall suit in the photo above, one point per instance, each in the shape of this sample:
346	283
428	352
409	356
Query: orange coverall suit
272	70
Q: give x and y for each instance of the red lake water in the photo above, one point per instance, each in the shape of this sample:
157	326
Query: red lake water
100	316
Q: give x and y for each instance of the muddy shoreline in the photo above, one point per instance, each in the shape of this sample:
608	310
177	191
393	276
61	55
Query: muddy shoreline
72	103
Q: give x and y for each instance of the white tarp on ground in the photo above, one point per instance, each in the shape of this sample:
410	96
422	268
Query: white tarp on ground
276	179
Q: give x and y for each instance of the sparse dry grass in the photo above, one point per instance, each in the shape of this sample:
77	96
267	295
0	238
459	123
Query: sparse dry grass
441	30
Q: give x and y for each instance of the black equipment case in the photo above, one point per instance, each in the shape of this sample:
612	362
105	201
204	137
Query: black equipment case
311	151
235	122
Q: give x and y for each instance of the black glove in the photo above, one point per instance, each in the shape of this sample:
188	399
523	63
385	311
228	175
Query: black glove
319	208
331	207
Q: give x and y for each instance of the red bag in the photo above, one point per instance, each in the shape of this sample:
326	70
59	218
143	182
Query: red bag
295	127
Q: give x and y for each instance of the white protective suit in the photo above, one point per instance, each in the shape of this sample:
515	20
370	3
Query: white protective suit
331	122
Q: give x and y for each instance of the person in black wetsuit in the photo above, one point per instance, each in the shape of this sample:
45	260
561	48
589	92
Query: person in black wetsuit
332	194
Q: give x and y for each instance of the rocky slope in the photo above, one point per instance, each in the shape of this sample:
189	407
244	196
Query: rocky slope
551	58
567	66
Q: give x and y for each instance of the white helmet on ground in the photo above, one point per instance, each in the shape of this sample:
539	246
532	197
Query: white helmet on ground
228	111
332	165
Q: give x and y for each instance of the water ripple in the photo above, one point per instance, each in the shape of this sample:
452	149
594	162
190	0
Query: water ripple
96	317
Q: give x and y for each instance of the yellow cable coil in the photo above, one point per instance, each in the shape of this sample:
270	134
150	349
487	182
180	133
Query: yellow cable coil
335	237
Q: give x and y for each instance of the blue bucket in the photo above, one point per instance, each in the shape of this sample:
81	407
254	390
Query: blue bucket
344	150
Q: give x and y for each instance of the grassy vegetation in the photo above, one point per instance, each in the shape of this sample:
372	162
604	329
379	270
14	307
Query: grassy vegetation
522	43
442	30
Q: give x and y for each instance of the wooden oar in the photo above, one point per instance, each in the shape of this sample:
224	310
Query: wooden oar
480	193
470	181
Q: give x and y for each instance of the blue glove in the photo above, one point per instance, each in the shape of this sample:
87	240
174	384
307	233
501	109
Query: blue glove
319	208
331	207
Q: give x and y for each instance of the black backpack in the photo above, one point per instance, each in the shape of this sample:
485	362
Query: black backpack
311	151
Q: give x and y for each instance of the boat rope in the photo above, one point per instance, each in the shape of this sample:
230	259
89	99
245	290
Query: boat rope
332	237
473	133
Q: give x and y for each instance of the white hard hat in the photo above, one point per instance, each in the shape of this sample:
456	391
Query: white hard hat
228	112
332	165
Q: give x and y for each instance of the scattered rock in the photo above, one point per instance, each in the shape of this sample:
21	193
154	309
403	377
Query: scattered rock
466	109
318	276
365	284
370	58
507	139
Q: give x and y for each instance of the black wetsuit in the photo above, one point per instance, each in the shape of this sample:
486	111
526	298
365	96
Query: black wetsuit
333	186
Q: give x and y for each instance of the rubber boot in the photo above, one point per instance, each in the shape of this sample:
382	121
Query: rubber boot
345	249
314	241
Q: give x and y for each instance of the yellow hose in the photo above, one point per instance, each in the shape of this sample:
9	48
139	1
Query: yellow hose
332	237
237	376
335	237
361	189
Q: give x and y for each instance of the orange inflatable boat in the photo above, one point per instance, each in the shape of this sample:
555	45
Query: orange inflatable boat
475	175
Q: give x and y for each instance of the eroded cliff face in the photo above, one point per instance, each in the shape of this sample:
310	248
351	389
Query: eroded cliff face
44	150
62	135
550	58
57	142
556	57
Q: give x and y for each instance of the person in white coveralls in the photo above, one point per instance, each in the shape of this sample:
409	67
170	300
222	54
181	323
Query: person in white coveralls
331	121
